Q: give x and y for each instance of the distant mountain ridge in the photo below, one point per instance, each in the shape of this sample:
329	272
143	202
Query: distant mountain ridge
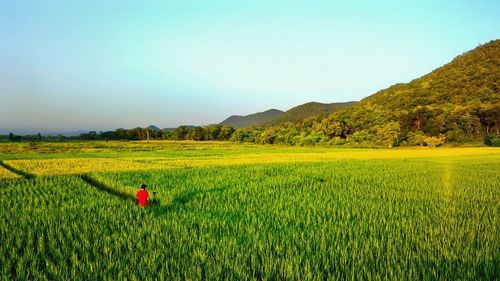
238	121
173	128
153	128
307	110
274	117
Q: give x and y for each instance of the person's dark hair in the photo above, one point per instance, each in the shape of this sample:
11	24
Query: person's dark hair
154	192
143	186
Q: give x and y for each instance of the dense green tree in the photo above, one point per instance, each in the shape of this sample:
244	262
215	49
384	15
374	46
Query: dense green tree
225	133
387	134
180	133
492	140
331	126
267	136
416	138
242	135
196	133
434	141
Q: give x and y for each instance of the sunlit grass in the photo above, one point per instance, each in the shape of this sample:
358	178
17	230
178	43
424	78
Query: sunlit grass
65	166
255	213
6	174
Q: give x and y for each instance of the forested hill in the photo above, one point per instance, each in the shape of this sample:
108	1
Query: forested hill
307	110
470	79
255	119
274	117
458	102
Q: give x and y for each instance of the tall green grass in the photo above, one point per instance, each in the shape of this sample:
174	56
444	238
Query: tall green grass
399	219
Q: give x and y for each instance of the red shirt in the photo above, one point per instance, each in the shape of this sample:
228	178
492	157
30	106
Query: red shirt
142	197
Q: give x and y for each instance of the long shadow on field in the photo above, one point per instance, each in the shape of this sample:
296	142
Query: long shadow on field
103	187
182	199
16	171
178	202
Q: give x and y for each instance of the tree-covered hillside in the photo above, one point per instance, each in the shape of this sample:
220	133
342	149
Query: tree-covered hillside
456	103
307	110
471	78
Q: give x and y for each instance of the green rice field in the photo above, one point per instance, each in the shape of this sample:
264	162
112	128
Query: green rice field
248	212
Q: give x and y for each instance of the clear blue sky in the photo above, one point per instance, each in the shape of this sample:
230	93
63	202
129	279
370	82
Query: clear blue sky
69	65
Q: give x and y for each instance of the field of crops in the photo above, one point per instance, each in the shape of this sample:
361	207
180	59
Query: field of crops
6	174
251	212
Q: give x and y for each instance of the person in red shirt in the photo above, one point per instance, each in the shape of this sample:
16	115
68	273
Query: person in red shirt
142	196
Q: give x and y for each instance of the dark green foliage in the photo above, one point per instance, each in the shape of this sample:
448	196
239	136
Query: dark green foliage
13	137
492	140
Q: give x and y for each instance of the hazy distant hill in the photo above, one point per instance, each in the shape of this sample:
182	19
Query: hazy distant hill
256	119
153	128
307	110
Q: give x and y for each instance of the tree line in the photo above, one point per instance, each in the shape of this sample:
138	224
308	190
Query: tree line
365	125
196	133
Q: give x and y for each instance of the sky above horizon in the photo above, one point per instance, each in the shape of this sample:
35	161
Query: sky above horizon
102	65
